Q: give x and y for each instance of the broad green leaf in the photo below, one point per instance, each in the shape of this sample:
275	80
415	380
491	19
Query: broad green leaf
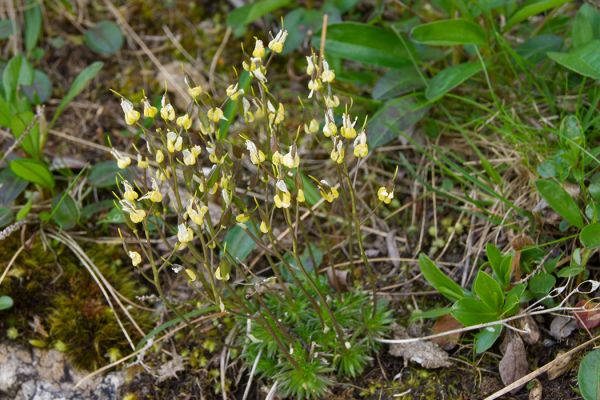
440	281
584	60
429	314
364	43
590	236
24	211
238	243
305	260
19	124
247	14
534	49
488	290
344	5
449	32
298	23
6	216
588	376
104	38
586	25
541	284
397	82
570	271
33	171
469	311
65	211
79	83
5	113
40	90
450	78
6	302
560	201
513	300
11	186
486	338
88	211
6	28
397	117
530	9
17	72
231	107
33	24
104	174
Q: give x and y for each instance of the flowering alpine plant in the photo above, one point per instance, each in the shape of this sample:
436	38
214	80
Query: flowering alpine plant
235	163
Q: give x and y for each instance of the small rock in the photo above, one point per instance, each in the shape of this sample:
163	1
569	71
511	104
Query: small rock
427	354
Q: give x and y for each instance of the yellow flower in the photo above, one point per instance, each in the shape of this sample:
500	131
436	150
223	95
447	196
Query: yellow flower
310	67
197	216
122	161
291	160
188	157
348	130
329	193
184	121
174	142
283	198
160	157
196	150
195	91
136	258
332	101
215	114
361	149
263	227
312	127
233	92
136	215
259	49
330	129
241	218
327	75
167	112
256	156
142	162
131	115
154	195
184	233
149	110
300	197
129	194
276	45
338	152
384	196
277	158
314	85
191	274
222	272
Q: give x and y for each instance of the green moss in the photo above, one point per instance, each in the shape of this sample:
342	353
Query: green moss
58	304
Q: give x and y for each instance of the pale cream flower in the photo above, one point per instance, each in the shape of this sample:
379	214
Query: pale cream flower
167	112
215	114
136	258
188	157
328	75
256	156
149	110
384	196
131	115
276	45
259	49
122	161
184	233
361	149
129	194
184	121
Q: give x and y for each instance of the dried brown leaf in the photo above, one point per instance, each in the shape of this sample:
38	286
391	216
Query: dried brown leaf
392	248
588	319
443	324
560	365
427	354
338	279
536	391
513	365
562	327
531	332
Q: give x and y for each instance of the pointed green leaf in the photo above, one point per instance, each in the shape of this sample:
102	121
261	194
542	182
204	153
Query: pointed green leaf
486	338
449	32
33	171
488	290
469	311
530	9
584	60
588	376
560	201
450	78
590	236
440	281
